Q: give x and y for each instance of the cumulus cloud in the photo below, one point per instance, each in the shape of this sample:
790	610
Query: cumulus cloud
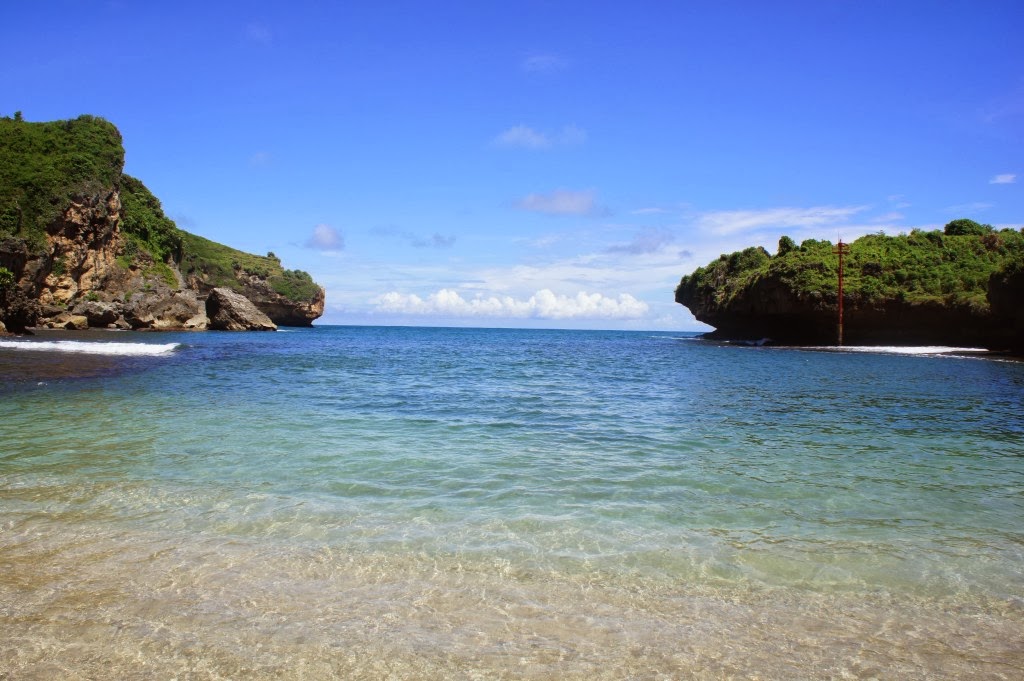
325	238
739	221
543	304
560	202
1005	178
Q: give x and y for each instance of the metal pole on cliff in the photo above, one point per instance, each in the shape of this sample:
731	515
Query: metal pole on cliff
842	249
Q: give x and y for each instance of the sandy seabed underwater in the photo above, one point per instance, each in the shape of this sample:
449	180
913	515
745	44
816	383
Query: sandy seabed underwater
358	502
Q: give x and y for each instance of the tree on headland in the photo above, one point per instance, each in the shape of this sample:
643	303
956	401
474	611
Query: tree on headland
786	245
966	227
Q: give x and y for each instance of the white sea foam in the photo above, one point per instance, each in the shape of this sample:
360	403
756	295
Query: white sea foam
901	349
91	348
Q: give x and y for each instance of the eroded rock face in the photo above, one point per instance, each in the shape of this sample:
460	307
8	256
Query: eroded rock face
281	310
286	312
67	321
99	314
78	273
768	308
231	311
82	250
164	310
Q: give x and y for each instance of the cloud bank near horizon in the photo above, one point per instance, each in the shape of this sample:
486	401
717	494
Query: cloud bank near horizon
544	304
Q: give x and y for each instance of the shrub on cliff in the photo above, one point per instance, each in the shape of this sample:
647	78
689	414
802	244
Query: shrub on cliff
295	285
966	227
217	265
953	266
143	222
44	166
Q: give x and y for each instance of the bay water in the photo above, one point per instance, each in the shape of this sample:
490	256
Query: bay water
383	502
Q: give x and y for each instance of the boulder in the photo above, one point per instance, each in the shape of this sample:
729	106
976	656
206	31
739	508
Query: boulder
162	311
67	321
99	314
230	311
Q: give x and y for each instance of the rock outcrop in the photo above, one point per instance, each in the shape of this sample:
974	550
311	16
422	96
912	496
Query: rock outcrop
283	311
769	308
959	287
180	309
92	248
230	311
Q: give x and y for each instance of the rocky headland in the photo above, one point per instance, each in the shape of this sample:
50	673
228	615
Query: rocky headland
82	245
961	286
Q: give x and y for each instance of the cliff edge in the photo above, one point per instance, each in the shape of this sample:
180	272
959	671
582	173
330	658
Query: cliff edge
962	286
84	245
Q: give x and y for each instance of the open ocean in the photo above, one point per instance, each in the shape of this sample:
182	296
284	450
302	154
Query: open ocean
414	503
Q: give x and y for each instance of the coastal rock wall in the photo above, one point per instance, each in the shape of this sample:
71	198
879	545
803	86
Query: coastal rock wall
231	311
768	308
934	288
82	278
281	310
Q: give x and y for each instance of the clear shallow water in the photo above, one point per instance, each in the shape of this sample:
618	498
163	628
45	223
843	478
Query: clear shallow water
430	503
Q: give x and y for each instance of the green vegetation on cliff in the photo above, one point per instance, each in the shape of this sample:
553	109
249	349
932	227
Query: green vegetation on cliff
218	265
958	286
952	266
44	166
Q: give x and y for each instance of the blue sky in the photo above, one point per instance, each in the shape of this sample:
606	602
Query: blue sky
537	164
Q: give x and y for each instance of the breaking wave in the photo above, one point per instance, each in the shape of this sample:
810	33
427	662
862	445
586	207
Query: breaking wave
92	348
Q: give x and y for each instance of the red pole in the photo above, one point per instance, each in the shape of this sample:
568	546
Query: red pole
841	249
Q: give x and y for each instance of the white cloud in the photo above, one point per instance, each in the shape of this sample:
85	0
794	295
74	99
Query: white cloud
1005	178
560	202
739	221
544	63
543	304
525	137
325	238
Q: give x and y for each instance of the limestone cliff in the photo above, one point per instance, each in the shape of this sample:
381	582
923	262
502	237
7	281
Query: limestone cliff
83	245
927	288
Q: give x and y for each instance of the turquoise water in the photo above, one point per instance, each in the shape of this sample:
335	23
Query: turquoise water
356	502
